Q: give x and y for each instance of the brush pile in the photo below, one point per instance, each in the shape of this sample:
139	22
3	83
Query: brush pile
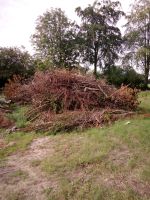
65	100
17	90
5	122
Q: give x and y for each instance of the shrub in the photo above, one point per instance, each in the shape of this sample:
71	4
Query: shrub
14	61
129	76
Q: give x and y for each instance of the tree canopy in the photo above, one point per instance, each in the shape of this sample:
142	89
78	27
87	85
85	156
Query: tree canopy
95	41
138	37
101	38
55	39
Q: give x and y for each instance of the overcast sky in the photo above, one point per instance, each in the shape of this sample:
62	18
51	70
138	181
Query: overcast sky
17	17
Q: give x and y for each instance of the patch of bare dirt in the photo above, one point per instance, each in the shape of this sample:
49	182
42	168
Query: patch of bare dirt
123	182
120	156
36	181
2	143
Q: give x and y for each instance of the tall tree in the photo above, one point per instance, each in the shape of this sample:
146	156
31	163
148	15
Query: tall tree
101	39
138	37
54	39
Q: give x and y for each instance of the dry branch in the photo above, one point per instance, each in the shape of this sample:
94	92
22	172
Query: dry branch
64	99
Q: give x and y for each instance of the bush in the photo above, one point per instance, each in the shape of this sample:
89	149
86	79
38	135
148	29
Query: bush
129	76
13	61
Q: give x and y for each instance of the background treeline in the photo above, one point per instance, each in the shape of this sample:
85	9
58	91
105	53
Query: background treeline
95	42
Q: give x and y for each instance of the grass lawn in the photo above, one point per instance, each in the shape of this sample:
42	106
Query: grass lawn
144	98
109	163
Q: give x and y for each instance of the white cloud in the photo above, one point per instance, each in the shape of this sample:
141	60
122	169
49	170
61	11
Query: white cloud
17	17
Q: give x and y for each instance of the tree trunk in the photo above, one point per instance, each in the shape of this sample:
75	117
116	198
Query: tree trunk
95	60
146	78
95	69
147	56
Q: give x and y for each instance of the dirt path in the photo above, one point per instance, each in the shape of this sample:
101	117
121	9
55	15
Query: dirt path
27	180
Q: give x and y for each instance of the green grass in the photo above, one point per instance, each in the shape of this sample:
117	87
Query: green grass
16	142
83	161
88	191
109	163
89	165
19	173
94	145
18	116
145	175
144	98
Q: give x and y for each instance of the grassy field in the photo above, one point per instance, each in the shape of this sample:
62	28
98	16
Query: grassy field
109	163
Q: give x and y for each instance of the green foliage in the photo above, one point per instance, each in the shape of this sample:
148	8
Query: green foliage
43	65
127	76
18	115
144	98
55	39
137	40
100	37
14	61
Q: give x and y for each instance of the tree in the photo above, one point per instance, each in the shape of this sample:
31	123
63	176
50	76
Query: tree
101	39
138	37
15	61
55	39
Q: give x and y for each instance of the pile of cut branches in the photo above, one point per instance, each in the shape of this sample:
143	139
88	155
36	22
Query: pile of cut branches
72	100
4	121
17	90
72	120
